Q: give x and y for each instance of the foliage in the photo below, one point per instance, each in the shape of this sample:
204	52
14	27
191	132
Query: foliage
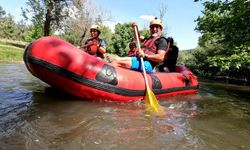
188	58
145	32
46	14
229	20
107	35
76	26
7	27
34	32
121	38
236	62
225	41
2	12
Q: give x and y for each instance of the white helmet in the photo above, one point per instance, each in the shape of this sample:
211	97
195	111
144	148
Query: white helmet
156	22
96	27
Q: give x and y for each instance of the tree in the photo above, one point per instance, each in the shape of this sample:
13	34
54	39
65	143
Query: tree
7	25
162	12
107	35
123	34
21	30
225	39
46	14
228	20
76	26
2	13
145	32
9	28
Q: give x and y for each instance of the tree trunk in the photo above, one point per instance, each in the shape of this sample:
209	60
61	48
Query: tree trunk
48	18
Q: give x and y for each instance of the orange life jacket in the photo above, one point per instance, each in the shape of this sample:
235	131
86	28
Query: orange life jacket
92	47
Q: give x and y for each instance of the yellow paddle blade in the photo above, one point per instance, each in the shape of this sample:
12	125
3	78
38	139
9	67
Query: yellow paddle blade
151	101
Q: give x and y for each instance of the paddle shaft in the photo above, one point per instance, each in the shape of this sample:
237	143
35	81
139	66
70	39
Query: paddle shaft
142	61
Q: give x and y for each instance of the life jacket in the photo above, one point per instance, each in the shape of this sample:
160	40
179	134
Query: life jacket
132	52
148	45
92	47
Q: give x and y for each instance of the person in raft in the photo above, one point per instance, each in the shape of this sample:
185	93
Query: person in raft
95	46
132	49
153	50
170	59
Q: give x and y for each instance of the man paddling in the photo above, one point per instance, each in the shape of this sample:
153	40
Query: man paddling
153	50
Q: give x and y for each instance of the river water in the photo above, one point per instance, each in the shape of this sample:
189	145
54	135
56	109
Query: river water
35	116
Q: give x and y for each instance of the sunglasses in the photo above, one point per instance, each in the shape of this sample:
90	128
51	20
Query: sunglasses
155	26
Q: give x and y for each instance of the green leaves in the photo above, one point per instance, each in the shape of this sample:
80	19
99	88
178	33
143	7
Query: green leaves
123	34
227	19
49	13
225	41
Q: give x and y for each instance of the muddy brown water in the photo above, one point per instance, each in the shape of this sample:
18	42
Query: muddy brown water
34	115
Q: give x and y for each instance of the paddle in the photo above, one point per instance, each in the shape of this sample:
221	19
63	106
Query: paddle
150	98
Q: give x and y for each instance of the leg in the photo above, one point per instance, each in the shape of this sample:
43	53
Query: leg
133	63
124	62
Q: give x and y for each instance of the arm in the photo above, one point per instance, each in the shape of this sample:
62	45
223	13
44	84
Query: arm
162	47
141	38
102	47
87	43
159	57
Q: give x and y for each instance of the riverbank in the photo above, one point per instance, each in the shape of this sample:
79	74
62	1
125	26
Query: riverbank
228	80
11	50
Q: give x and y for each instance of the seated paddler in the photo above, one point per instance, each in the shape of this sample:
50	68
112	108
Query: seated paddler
153	50
95	45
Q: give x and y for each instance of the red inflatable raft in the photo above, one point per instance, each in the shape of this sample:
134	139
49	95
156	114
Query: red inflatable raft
66	67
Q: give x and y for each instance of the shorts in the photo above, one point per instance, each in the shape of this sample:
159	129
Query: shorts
136	65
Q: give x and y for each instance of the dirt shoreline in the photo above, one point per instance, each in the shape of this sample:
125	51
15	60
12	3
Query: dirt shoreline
12	61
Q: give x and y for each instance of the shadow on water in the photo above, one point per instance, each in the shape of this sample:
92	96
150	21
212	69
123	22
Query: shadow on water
231	89
37	116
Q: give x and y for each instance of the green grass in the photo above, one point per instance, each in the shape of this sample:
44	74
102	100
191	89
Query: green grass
11	51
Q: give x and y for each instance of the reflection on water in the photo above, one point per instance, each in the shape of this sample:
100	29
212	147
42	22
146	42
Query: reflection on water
37	116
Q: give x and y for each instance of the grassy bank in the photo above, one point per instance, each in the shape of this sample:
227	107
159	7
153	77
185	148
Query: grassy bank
11	51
